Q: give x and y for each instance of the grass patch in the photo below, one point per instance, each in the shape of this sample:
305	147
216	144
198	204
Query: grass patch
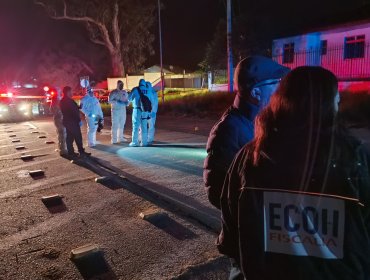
354	108
200	104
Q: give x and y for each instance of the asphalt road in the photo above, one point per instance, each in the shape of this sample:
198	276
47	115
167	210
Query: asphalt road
36	240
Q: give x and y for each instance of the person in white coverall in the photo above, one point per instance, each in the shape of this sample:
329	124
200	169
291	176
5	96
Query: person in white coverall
139	116
90	106
153	116
118	99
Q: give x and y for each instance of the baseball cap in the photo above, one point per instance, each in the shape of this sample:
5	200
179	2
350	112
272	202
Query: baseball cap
255	69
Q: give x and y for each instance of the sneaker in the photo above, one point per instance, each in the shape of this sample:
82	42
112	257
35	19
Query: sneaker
132	144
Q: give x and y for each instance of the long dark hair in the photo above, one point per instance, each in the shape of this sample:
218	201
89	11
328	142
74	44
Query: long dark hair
304	101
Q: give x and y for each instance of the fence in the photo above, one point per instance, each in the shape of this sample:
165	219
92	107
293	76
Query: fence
347	64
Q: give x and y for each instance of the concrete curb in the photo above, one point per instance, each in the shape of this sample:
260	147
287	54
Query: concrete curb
210	221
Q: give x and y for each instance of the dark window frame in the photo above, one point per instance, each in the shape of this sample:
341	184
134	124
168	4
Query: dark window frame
288	53
354	47
324	47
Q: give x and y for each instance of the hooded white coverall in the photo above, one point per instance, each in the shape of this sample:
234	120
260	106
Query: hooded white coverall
139	118
153	117
118	100
90	106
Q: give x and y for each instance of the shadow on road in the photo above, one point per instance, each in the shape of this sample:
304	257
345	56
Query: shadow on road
159	195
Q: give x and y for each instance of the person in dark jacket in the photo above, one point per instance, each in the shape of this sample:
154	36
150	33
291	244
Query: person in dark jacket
71	121
58	122
256	78
296	200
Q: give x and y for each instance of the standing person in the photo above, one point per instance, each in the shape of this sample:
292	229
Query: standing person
153	116
58	122
72	122
118	99
256	78
90	106
296	200
142	107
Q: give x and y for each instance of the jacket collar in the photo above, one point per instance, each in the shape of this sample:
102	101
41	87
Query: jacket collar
246	108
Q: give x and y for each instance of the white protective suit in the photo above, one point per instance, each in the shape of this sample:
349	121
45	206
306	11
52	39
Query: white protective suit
90	106
139	118
153	117
118	100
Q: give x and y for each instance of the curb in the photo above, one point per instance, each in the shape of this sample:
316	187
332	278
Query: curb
210	221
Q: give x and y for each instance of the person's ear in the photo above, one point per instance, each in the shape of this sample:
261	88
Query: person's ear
256	94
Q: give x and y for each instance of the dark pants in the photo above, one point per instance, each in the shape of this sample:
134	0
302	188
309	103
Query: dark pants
74	134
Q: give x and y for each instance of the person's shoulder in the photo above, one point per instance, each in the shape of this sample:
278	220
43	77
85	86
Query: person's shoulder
224	127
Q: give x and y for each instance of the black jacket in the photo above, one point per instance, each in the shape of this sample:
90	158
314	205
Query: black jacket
70	111
275	239
227	137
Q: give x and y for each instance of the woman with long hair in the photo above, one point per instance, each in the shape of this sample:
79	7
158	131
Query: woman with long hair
295	203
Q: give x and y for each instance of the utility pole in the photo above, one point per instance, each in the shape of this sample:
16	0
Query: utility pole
160	48
230	64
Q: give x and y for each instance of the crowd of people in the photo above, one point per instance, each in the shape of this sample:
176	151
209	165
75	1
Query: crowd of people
292	184
68	123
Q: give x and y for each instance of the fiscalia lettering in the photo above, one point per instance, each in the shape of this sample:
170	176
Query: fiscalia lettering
302	239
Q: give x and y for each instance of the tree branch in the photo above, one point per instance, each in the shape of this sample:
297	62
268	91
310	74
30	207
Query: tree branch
103	29
116	27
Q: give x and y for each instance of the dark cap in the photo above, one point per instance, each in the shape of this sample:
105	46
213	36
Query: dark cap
255	69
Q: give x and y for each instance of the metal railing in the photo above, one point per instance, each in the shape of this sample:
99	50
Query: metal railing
335	59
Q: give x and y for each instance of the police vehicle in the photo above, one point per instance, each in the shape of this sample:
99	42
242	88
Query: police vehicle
24	100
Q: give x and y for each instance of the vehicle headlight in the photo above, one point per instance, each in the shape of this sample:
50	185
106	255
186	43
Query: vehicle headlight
4	109
23	107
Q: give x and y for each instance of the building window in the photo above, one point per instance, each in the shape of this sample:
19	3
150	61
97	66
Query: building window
354	47
288	54
324	47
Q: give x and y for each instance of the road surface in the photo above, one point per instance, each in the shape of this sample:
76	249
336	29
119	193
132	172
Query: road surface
36	240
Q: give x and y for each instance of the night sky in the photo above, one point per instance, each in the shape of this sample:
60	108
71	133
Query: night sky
25	29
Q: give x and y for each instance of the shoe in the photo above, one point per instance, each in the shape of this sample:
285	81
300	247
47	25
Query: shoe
91	145
132	144
143	145
85	154
123	141
114	143
69	155
150	143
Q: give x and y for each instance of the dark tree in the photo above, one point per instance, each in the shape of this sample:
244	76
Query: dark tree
121	26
